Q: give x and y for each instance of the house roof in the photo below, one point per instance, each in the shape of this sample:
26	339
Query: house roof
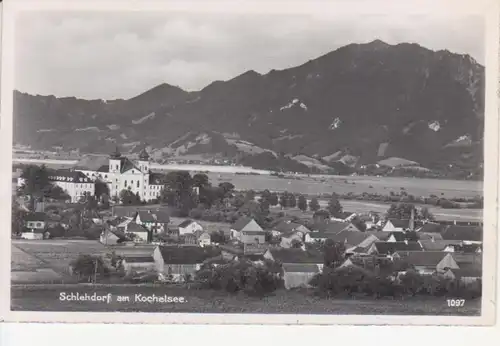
392	247
185	223
336	226
473	271
37	216
431	227
437	245
349	237
300	268
472	233
139	259
241	223
162	216
381	235
287	227
69	176
126	165
183	254
470	248
398	236
103	169
320	235
423	258
296	255
429	236
467	258
134	227
146	216
398	223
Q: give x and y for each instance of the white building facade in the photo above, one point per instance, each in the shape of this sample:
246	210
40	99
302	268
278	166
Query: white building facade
123	174
74	183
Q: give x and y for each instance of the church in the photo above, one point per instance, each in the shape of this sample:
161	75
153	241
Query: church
123	174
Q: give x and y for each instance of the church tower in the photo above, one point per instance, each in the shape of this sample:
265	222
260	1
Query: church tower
144	161
115	161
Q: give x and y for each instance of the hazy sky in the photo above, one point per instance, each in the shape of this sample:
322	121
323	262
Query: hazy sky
119	55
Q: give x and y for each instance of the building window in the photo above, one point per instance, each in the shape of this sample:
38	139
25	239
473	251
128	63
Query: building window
38	224
105	176
138	183
125	183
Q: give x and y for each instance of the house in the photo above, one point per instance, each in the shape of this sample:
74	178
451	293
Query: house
469	234
155	221
109	237
317	237
466	274
252	237
335	227
288	240
33	234
36	221
295	256
389	248
288	227
428	262
204	239
429	236
396	236
298	275
74	183
189	226
352	240
177	262
396	225
244	224
141	233
145	219
189	239
138	264
463	258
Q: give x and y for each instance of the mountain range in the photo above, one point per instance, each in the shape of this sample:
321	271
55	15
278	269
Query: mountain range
359	104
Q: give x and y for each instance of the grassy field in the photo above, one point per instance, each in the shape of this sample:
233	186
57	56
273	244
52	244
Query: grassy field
208	301
355	184
35	261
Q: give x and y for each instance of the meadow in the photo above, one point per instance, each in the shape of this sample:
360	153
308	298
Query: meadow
46	298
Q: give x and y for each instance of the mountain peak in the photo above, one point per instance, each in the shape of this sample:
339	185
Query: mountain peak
377	44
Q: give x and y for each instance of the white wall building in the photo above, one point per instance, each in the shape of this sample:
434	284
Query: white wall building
123	174
75	183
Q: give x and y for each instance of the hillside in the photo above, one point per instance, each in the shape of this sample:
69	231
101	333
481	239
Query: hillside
363	102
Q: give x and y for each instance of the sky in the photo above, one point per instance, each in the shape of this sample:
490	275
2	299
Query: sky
98	55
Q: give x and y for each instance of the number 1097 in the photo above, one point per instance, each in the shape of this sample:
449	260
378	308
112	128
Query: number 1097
456	303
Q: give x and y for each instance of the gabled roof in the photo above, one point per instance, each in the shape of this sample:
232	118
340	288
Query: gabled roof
103	169
437	245
392	247
398	223
254	232
381	235
133	227
146	216
351	238
183	254
185	223
336	226
126	165
429	236
139	259
296	256
286	227
241	223
161	216
467	258
320	235
300	268
398	236
423	258
469	270
431	227
37	216
471	233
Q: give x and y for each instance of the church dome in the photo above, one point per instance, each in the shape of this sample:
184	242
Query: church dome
116	154
143	155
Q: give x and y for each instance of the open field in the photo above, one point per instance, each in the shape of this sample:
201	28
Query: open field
315	184
46	298
35	261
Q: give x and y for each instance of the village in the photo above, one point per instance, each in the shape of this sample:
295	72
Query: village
178	229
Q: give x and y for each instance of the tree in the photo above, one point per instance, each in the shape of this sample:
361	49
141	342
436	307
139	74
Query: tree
273	199
200	180
401	211
321	215
425	214
227	189
302	203
101	188
17	219
87	267
127	197
179	190
334	207
284	200
250	195
333	253
238	200
314	204
56	192
296	244
36	181
266	195
292	200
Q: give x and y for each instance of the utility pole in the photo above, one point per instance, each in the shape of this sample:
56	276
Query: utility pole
95	271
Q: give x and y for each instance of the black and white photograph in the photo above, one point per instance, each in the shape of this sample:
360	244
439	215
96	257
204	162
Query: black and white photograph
289	161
